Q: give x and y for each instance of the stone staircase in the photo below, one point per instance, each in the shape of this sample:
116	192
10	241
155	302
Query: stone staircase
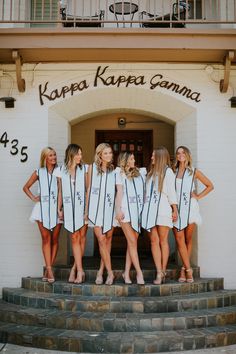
119	318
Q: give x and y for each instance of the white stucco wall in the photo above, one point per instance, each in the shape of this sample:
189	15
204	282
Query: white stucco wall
207	127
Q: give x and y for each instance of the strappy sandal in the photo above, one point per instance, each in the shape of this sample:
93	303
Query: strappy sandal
182	278
99	279
72	276
110	279
189	278
80	277
160	278
126	281
50	279
140	281
45	278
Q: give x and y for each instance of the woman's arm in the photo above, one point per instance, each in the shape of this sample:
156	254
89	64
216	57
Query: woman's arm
88	187
28	185
60	202
119	195
207	183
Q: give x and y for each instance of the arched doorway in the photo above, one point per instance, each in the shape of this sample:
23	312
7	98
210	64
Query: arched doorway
77	119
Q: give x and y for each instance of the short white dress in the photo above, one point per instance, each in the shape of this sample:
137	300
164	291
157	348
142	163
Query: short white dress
168	198
120	179
36	211
194	213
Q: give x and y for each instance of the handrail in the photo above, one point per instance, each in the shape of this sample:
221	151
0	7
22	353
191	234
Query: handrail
155	13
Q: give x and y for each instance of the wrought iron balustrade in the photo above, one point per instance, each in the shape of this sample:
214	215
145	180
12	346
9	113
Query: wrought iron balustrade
111	13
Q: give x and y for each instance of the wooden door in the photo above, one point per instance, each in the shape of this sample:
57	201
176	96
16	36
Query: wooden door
140	143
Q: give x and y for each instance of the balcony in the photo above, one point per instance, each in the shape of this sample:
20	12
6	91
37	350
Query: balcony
120	31
115	14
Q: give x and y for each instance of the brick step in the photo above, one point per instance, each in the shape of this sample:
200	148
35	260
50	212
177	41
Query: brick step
119	342
116	322
128	304
62	273
121	289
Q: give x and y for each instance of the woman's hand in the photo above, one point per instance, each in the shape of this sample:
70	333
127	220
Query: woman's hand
86	217
120	216
174	213
60	214
195	196
36	199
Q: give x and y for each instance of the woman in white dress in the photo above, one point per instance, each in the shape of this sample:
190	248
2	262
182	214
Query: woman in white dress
44	212
100	206
160	208
188	209
130	183
71	206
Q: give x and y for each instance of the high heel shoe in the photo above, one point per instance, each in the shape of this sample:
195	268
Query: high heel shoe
45	278
182	277
99	279
80	277
110	279
140	281
189	277
72	276
126	281
51	278
160	278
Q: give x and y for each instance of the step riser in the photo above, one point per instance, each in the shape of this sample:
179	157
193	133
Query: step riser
152	305
149	275
122	289
114	324
110	344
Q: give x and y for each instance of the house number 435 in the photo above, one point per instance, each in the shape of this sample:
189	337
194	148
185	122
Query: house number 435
15	148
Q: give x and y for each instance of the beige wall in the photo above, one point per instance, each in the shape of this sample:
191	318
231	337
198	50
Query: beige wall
83	133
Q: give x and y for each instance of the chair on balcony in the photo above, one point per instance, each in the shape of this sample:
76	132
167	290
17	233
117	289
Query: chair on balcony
82	21
179	11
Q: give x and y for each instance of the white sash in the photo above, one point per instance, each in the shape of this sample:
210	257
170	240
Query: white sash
135	200
108	199
151	204
184	199
73	195
48	198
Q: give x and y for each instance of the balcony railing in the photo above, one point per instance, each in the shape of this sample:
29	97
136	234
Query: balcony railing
110	13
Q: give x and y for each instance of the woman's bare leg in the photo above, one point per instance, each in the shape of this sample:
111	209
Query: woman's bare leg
54	242
163	232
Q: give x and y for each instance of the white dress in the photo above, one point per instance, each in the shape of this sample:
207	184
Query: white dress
36	211
194	214
120	179
168	198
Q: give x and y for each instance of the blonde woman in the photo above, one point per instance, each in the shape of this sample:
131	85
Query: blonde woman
100	206
160	208
129	204
188	208
71	206
45	209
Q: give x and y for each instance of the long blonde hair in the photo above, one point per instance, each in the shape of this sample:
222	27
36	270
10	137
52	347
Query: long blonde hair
159	164
122	162
71	151
44	154
98	158
188	163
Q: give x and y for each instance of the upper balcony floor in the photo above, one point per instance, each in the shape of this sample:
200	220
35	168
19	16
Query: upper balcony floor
123	30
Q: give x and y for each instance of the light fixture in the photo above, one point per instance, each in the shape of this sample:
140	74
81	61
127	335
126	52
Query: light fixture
233	101
9	101
122	122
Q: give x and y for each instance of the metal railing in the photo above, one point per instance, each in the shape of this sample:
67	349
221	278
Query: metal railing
111	13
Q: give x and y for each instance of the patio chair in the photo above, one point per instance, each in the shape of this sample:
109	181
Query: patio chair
179	11
82	21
